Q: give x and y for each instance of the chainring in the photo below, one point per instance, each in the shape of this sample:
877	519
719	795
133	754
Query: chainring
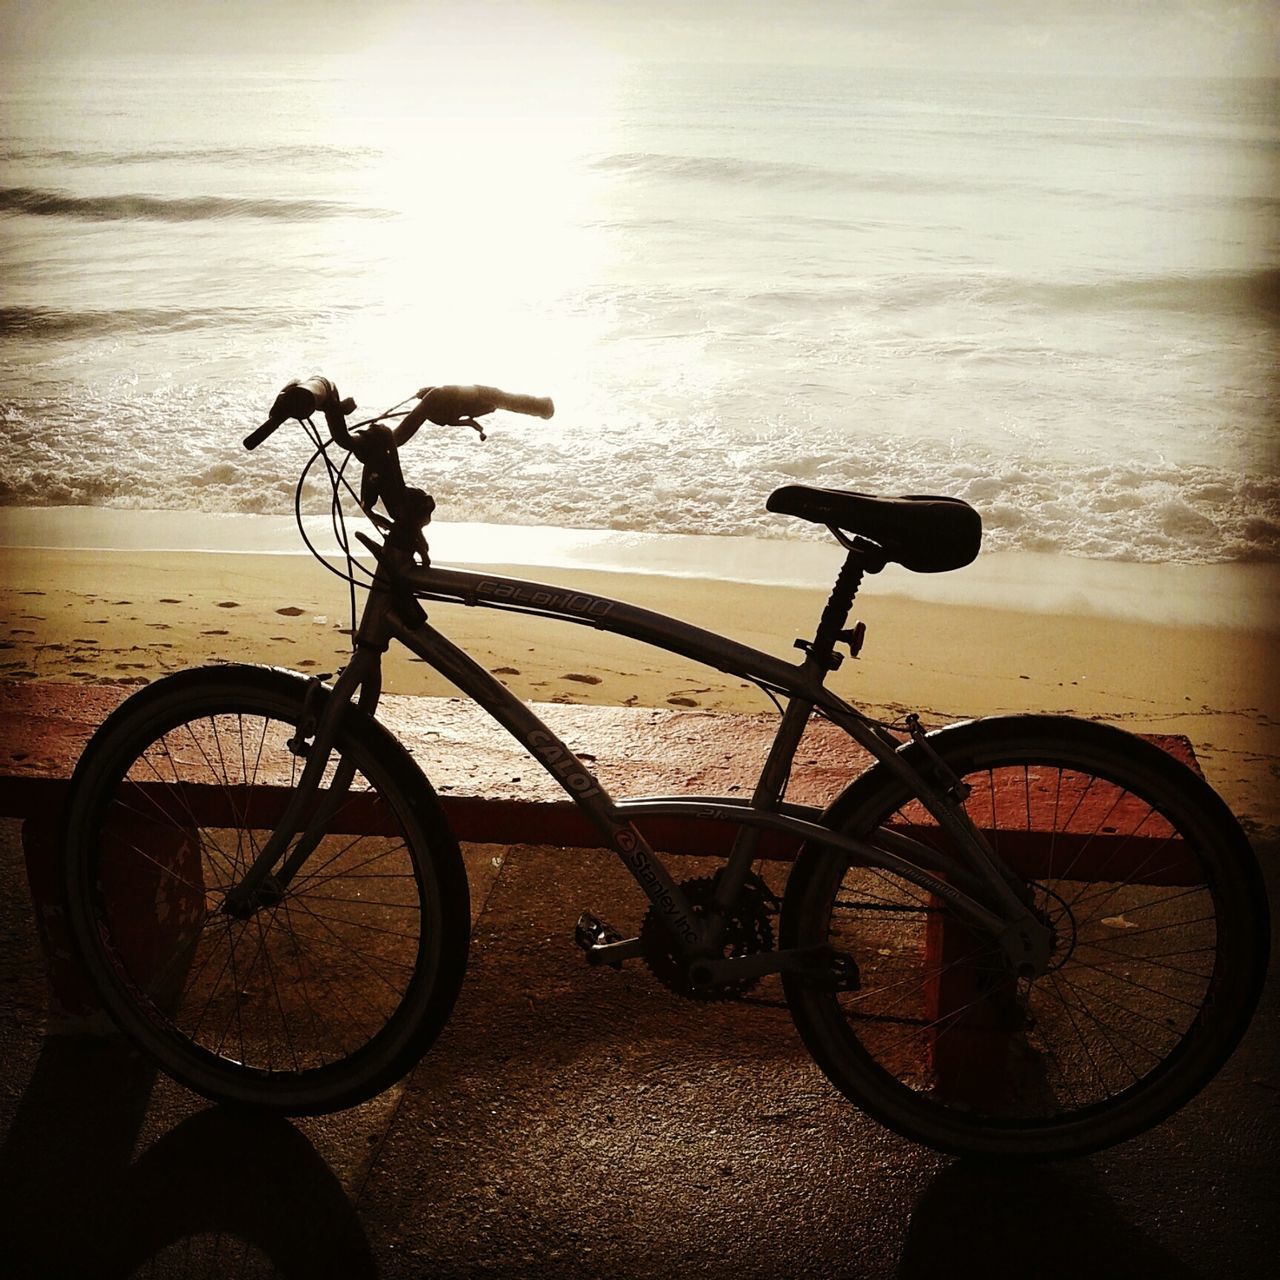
748	930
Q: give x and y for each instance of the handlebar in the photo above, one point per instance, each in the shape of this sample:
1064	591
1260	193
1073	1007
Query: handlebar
376	444
444	405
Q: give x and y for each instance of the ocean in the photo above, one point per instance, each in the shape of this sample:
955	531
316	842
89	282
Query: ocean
1055	297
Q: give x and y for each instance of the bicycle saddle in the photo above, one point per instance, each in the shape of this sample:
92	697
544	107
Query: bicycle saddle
923	534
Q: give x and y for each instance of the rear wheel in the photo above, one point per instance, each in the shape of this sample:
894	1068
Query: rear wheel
335	984
1160	945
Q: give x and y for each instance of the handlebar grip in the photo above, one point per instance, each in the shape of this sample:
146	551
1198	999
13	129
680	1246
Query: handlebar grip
449	405
534	406
300	399
255	438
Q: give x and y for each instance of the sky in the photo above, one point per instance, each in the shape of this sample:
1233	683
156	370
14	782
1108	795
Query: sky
1198	37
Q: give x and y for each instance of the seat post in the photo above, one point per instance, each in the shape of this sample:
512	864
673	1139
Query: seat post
820	657
858	561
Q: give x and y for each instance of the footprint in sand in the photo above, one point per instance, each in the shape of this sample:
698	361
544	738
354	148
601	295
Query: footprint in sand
505	671
20	631
683	702
228	604
169	600
291	611
283	639
215	633
31	593
159	626
82	640
580	678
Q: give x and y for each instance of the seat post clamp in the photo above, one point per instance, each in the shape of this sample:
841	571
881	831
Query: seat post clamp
833	660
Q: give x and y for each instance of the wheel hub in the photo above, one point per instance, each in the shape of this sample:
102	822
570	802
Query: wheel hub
241	906
1056	912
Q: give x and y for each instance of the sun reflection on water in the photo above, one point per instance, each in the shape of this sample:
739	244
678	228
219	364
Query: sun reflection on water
497	217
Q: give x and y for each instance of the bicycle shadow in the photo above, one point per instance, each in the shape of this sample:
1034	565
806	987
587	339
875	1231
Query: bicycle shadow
221	1193
978	1219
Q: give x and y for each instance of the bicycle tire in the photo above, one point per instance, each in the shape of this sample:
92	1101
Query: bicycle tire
1161	944
314	1002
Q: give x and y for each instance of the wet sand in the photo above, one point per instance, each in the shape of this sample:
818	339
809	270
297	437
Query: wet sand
129	616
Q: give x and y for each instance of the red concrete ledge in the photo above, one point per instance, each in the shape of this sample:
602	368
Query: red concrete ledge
493	791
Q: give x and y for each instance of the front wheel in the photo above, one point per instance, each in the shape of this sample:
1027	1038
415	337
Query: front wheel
333	985
1160	930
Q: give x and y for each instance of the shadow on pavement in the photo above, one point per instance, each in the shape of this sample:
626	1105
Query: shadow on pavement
222	1193
1045	1220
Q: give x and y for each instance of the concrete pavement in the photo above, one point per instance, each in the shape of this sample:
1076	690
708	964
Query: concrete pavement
585	1123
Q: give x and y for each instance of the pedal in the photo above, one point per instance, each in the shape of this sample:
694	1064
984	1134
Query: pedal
590	931
603	943
832	970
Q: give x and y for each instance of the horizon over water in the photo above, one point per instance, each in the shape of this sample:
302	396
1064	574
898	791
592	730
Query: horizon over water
1052	296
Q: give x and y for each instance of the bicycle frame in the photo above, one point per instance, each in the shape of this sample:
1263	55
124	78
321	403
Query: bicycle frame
392	614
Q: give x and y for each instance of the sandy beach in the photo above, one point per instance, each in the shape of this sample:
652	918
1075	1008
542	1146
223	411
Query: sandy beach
127	616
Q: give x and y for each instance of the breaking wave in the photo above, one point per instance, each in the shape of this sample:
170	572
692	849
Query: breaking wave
775	175
50	322
1152	511
147	208
100	157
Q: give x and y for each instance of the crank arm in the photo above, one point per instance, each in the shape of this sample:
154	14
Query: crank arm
614	953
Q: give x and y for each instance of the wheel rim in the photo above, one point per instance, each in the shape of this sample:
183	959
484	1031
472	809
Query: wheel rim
311	982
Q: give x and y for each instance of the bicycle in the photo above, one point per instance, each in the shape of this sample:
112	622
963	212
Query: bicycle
1021	936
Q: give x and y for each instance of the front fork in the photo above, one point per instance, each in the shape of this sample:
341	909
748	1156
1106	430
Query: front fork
320	717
